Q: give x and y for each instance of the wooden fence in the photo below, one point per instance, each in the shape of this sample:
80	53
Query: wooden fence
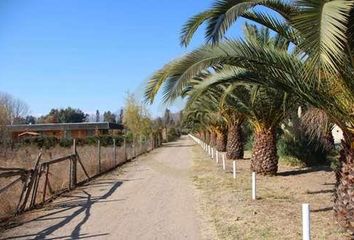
37	186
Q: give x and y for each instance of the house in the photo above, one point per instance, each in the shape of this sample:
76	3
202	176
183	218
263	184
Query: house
64	130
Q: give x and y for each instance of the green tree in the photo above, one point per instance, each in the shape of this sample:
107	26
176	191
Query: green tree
109	117
98	116
67	115
137	118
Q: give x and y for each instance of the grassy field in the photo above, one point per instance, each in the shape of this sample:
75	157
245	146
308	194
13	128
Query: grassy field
276	214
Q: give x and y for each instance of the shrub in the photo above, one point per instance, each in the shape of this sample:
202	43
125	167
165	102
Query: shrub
50	142
91	140
66	142
295	143
172	134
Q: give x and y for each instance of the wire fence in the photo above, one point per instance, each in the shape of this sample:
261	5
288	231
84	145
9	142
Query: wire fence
22	189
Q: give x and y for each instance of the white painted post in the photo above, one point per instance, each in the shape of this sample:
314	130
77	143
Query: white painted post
212	153
305	221
217	156
209	150
253	186
223	162
234	168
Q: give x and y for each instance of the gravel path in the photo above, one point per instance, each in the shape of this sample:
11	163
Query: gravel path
150	198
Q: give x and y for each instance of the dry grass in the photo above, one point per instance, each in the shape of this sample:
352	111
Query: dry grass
276	214
58	173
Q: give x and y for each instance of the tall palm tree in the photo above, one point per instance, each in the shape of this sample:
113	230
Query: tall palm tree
263	107
318	67
322	32
214	119
231	134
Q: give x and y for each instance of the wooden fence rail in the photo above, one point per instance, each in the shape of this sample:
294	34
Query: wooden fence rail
31	178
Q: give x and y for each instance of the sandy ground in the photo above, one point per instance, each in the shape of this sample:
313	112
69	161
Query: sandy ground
276	214
150	198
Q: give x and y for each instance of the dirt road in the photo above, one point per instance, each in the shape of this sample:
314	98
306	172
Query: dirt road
150	198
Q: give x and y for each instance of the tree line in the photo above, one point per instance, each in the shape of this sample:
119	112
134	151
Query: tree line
297	53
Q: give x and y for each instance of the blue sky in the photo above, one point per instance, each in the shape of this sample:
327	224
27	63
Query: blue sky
88	53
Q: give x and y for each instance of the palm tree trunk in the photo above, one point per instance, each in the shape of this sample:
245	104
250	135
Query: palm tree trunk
234	146
204	136
207	137
264	156
328	141
212	138
344	194
221	140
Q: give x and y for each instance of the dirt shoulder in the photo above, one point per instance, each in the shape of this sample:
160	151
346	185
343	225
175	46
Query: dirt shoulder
277	212
150	198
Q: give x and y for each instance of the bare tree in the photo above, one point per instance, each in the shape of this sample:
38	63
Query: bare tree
14	108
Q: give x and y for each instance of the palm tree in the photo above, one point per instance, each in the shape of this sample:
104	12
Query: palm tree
322	33
318	67
229	131
207	106
263	107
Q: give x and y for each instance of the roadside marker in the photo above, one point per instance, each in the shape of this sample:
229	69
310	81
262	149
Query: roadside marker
253	186
234	168
305	221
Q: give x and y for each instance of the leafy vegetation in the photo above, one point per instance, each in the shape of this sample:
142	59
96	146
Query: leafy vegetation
308	56
137	119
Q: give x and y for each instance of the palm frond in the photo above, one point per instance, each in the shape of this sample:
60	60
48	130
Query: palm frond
323	25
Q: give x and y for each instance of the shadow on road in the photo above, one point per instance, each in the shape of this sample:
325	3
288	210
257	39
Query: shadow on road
82	203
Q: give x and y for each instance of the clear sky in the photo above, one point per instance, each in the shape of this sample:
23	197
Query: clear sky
88	53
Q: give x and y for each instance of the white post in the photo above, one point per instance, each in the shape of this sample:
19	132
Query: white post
253	186
305	221
209	150
223	162
234	168
217	156
212	153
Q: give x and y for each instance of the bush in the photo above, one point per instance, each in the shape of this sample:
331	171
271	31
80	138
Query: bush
172	134
50	142
91	140
40	142
66	142
294	143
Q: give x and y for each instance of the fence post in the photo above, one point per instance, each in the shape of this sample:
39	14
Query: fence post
217	156
223	162
74	165
45	183
99	155
125	149
114	152
305	221
30	184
